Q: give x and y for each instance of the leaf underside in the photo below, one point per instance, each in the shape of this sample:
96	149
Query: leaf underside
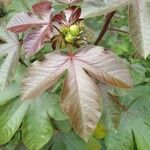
139	26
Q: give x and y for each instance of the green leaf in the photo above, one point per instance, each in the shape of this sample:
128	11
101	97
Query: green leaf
37	129
93	144
111	110
52	103
93	8
68	141
10	52
138	73
10	93
135	123
11	116
63	126
100	131
139	26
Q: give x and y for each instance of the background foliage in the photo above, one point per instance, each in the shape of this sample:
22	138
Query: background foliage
133	131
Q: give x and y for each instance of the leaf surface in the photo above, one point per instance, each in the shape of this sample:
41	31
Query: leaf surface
34	40
37	129
11	116
22	21
10	93
39	21
81	100
135	123
111	111
68	141
105	66
139	26
93	8
9	51
42	7
68	1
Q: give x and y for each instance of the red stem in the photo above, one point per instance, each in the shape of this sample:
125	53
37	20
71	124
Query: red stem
105	27
118	102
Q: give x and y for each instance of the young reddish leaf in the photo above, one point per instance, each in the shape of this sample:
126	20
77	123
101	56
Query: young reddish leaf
42	27
77	99
42	7
23	21
68	1
34	40
68	16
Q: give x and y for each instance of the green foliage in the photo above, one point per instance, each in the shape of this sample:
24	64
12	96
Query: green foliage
40	123
135	124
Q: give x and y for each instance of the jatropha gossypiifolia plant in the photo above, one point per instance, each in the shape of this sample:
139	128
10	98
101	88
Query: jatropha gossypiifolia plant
87	70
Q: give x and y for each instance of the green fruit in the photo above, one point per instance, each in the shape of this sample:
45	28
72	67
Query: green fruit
69	38
74	30
64	30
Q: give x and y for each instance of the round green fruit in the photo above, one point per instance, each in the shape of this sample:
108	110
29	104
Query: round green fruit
69	38
64	30
74	30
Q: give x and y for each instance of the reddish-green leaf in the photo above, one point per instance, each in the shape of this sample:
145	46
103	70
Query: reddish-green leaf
81	100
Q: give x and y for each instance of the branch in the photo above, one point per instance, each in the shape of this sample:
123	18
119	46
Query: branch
22	62
105	27
117	30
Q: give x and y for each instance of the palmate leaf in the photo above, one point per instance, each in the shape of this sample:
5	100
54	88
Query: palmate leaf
81	100
93	8
139	26
36	129
35	114
40	21
10	52
134	127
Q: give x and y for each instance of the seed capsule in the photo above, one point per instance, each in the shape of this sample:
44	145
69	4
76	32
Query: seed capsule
69	38
74	30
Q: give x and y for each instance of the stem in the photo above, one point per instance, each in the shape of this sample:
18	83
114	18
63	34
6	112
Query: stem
22	62
105	27
57	29
117	30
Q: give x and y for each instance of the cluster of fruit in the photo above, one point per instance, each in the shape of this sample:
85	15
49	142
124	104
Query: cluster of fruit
70	33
